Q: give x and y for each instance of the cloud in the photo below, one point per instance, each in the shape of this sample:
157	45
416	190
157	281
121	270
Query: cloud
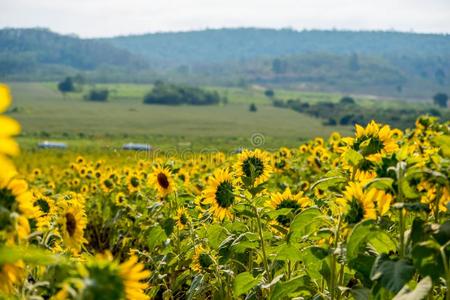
91	18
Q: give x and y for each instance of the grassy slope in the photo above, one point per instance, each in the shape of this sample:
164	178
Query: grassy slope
42	109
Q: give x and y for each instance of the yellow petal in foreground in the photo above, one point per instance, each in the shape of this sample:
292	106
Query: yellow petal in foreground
5	97
8	127
9	146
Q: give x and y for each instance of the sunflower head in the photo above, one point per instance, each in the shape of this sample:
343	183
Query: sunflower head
161	178
374	142
182	218
202	259
357	204
286	200
72	223
220	193
253	167
105	278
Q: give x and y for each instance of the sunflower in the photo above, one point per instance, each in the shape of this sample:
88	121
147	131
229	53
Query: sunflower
45	210
201	260
72	222
133	183
220	193
162	179
287	200
10	275
182	218
105	278
374	142
8	126
254	166
132	273
106	184
120	199
357	204
15	197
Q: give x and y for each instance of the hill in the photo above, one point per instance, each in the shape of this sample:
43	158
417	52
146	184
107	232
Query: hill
404	65
34	52
221	45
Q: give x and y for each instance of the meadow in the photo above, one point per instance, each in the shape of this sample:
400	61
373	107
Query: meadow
361	214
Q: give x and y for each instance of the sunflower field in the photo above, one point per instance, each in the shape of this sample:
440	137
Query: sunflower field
358	217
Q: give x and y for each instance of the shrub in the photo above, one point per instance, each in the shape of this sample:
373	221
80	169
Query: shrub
98	95
171	94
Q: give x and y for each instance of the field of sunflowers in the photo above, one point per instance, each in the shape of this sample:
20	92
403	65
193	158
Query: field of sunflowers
358	217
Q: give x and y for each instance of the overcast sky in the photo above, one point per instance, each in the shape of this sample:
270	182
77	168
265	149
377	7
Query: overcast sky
94	18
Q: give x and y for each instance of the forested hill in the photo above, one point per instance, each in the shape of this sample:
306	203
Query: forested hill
220	45
40	50
374	62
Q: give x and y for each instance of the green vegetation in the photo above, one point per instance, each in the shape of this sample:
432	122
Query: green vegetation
172	94
97	95
401	65
347	112
45	114
440	99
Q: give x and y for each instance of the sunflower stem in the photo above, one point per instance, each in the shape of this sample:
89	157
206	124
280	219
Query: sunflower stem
402	233
263	248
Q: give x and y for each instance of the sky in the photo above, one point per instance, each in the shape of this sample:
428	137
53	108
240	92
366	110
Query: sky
102	18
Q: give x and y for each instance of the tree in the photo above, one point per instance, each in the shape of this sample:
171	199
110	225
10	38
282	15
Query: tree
347	100
269	93
440	99
66	86
98	95
253	108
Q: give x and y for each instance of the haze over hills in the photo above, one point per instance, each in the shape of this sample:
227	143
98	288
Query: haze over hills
382	63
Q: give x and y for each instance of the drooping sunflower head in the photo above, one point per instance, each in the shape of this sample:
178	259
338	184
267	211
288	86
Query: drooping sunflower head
45	210
134	182
72	223
357	204
182	218
253	166
220	193
105	278
161	178
374	142
286	200
201	260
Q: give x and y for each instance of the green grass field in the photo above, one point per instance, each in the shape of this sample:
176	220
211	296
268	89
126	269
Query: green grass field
45	114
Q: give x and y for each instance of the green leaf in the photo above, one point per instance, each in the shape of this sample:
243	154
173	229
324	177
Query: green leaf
195	287
313	258
216	234
442	233
384	183
353	157
327	182
360	293
288	252
29	255
306	222
420	292
244	282
367	233
444	144
156	237
427	259
392	274
282	290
